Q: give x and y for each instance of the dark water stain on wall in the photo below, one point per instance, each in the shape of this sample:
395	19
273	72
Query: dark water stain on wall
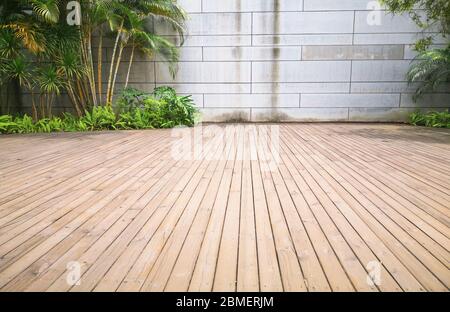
237	50
275	70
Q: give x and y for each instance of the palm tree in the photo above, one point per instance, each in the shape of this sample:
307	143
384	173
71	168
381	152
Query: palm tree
132	32
18	69
10	48
50	83
69	67
150	44
35	26
39	27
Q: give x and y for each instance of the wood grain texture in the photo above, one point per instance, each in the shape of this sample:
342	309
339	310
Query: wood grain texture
310	210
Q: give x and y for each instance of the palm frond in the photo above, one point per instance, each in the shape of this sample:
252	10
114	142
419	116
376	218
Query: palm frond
48	10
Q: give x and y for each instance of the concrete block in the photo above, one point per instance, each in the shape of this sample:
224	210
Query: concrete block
141	72
379	114
333	5
305	87
381	71
251	100
302	71
225	115
191	6
350	100
186	54
428	100
206	72
382	87
392	38
211	88
146	87
252	5
299	114
355	52
302	22
297	40
214	24
388	23
252	53
218	41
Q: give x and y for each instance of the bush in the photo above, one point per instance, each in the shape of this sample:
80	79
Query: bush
431	70
130	99
174	110
161	109
136	110
431	119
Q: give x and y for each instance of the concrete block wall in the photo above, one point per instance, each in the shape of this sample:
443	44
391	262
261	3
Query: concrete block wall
292	60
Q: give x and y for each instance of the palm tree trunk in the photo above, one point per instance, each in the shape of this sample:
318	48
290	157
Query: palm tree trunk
81	94
41	105
116	44
33	106
50	105
129	65
84	57
99	64
119	58
74	100
5	108
91	69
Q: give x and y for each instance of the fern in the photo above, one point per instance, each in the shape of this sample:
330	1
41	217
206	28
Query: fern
431	119
431	69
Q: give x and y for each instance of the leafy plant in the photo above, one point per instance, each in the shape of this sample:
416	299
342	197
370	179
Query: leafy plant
175	110
36	31
426	14
130	99
431	119
6	124
432	69
100	118
163	109
24	124
432	66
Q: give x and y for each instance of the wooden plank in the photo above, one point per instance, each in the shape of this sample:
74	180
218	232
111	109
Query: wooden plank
237	218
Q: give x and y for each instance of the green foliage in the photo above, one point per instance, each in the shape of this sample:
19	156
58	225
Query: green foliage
129	99
433	65
40	51
175	110
432	69
100	118
431	119
426	14
6	123
162	109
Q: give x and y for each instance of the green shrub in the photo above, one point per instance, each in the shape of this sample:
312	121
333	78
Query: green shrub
431	70
130	99
7	124
138	110
431	119
100	118
175	110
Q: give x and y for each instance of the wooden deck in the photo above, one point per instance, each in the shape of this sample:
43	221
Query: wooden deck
341	201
